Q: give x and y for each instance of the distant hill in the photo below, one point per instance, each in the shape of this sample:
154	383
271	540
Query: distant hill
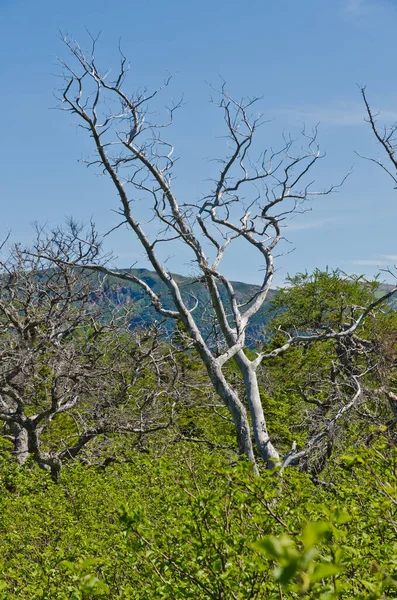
383	289
120	292
143	314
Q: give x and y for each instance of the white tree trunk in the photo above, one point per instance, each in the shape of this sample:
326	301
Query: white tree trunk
262	439
21	449
237	411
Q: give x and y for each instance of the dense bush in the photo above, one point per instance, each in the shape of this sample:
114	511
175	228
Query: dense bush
189	525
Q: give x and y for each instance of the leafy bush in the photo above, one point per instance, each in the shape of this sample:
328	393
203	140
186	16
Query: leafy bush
190	526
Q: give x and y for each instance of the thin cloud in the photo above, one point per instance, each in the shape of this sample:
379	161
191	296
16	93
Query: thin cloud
366	8
315	224
370	262
354	6
390	257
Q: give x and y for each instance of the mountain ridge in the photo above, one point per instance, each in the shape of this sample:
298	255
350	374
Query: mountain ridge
192	289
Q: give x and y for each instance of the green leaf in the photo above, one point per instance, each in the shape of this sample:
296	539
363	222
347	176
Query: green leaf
275	547
313	532
325	570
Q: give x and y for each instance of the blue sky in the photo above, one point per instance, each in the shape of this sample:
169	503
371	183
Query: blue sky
304	59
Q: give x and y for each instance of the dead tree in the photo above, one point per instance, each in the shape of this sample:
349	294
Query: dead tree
60	357
387	138
248	202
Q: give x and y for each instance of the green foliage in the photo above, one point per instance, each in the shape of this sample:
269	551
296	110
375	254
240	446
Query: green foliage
321	300
306	386
301	567
189	525
178	519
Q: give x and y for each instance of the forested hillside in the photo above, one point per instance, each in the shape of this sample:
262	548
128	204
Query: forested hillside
144	314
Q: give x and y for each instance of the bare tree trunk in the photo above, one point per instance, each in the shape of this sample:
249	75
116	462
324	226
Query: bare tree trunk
45	460
55	470
262	439
237	411
21	449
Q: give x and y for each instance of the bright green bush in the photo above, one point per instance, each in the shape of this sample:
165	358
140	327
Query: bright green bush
189	525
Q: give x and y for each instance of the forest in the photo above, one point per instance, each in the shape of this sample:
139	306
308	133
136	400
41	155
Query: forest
172	437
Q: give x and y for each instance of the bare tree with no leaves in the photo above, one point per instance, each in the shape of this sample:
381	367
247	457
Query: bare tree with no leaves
247	204
387	138
62	362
